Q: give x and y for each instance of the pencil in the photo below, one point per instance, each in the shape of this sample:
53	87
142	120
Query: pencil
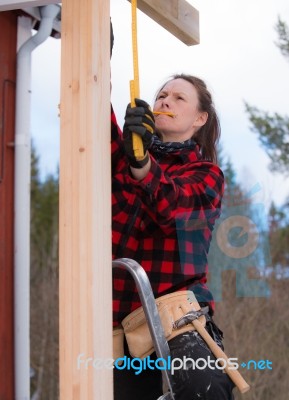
164	113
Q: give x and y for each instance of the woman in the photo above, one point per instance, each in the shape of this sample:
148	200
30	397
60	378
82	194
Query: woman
164	207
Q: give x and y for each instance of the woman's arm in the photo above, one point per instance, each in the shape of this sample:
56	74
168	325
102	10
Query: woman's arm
141	173
184	191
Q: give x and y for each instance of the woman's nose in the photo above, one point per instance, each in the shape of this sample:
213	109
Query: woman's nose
166	102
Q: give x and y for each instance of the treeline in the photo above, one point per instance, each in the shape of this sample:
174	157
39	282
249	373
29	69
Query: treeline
44	336
253	310
255	328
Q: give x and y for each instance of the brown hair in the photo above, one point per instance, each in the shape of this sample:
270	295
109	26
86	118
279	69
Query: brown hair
209	134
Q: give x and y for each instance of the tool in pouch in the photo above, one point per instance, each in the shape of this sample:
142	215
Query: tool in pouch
192	317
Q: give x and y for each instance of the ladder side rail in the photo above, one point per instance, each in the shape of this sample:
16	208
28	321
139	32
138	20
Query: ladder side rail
152	315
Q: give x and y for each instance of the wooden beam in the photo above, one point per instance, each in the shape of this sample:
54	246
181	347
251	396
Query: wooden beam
6	5
177	16
85	205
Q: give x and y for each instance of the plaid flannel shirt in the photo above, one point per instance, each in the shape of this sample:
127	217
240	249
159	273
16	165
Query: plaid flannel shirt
164	222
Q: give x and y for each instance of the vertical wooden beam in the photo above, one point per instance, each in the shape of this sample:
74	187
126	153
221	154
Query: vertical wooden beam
85	212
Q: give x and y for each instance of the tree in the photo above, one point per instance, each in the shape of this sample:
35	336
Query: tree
240	240
273	128
252	330
283	37
279	239
44	284
273	131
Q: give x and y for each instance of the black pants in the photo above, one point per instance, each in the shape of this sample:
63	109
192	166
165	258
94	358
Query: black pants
188	384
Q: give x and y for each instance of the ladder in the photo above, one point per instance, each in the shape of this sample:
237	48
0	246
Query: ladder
152	316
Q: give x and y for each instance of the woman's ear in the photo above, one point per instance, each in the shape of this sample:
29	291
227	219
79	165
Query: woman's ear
201	119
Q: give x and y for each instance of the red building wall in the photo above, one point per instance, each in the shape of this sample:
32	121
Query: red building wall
8	37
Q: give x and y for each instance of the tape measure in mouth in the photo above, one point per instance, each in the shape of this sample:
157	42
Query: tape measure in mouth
134	84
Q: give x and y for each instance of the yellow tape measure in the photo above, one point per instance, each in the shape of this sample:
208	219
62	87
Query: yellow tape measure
134	84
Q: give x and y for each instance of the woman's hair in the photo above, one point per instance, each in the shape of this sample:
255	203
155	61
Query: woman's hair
208	135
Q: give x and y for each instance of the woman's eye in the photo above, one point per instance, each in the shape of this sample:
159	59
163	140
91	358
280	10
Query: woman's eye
180	98
161	96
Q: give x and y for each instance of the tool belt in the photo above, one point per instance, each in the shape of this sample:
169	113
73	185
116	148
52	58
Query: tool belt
172	311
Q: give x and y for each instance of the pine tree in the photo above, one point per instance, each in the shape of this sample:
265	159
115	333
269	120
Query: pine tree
273	128
44	284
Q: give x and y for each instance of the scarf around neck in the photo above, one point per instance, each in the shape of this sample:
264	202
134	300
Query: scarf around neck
161	147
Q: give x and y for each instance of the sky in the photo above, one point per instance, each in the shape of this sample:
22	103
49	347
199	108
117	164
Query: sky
237	57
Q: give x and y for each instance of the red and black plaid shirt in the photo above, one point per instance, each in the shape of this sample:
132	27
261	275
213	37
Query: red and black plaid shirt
164	222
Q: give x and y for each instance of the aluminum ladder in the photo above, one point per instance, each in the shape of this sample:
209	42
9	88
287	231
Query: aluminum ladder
152	316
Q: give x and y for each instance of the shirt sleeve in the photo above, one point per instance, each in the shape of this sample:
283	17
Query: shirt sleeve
117	150
189	191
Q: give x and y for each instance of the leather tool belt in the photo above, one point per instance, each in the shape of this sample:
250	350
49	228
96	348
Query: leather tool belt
172	310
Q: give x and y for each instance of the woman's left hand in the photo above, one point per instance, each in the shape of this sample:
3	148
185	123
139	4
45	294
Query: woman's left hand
139	120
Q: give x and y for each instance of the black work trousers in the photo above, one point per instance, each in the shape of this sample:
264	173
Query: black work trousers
189	383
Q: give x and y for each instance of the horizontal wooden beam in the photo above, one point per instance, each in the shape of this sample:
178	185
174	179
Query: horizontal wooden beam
177	16
6	5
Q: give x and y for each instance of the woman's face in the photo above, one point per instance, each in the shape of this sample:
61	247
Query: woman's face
181	98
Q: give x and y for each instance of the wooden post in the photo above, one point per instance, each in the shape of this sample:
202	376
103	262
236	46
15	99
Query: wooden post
85	210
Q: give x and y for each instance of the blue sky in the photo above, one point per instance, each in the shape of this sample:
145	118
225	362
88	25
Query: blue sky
237	58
